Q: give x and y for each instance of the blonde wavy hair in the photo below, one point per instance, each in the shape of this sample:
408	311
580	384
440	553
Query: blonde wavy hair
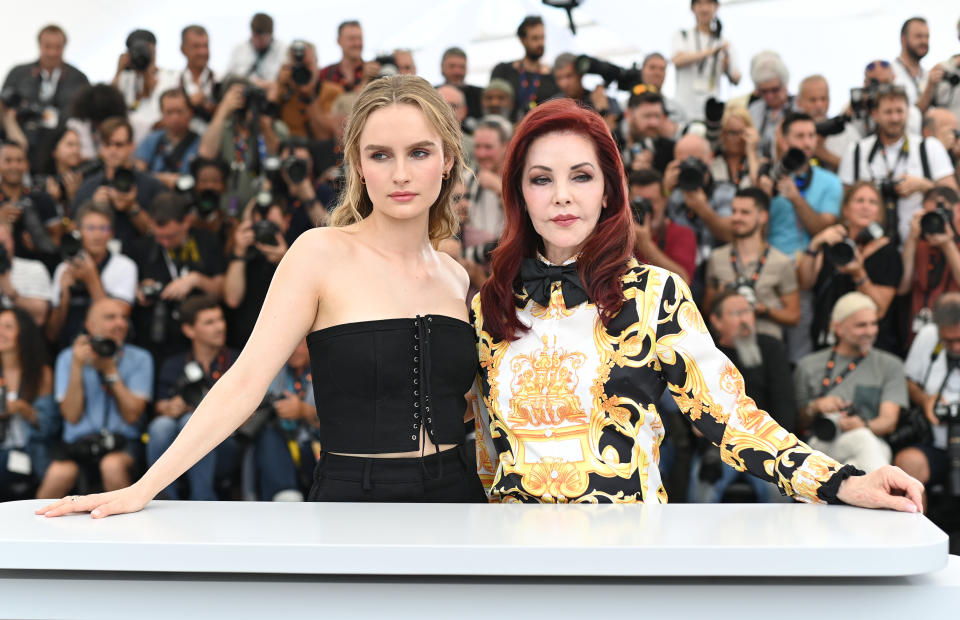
354	204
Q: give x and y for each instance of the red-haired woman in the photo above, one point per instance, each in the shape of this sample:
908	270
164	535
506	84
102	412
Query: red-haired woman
577	341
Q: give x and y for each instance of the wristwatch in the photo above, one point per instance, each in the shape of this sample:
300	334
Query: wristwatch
111	378
134	210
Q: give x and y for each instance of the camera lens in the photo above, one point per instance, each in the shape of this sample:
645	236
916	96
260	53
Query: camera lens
933	223
841	253
123	180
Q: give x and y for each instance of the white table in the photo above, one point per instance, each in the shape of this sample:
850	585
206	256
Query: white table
258	559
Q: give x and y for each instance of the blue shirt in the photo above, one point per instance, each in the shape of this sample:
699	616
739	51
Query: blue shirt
100	411
824	195
155	145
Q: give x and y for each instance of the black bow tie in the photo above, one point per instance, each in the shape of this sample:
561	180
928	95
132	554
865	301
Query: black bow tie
537	278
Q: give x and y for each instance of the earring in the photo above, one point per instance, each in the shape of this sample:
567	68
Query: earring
445	175
363	181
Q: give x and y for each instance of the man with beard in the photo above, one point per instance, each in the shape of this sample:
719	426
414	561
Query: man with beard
531	80
914	45
497	99
762	362
644	145
902	165
758	272
849	396
654	72
260	57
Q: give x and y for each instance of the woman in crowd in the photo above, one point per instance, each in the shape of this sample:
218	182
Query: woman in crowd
27	409
64	178
391	353
577	341
853	255
736	161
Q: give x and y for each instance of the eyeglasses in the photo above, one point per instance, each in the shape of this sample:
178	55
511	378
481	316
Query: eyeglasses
877	64
773	90
93	228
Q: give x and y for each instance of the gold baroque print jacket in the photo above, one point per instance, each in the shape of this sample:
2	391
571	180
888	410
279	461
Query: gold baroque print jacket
567	413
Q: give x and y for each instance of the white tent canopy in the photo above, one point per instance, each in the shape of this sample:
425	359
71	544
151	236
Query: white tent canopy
829	37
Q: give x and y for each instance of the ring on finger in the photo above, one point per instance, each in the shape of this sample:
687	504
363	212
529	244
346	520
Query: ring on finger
74	498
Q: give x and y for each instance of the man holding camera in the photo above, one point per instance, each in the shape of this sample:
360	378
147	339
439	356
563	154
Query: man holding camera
770	78
490	141
350	73
931	257
943	125
295	185
175	262
103	387
32	212
654	73
645	146
813	98
914	45
197	79
119	186
849	396
140	81
41	92
89	273
24	282
532	81
752	267
167	153
933	382
258	59
903	166
659	240
305	100
258	247
570	83
182	382
943	81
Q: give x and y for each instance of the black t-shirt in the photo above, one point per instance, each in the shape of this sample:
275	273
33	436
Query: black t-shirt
770	385
169	378
258	272
201	252
38	210
884	267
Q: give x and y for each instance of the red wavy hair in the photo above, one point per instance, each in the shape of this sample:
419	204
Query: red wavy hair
604	256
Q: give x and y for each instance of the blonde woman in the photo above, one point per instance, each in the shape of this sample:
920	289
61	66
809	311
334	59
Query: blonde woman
391	352
736	161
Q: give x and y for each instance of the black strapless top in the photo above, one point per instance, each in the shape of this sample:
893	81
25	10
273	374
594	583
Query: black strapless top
376	382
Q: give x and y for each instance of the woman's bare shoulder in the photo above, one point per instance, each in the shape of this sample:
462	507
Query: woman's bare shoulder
456	271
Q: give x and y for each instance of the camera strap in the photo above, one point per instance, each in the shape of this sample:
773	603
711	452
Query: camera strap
734	263
221	363
829	383
173	158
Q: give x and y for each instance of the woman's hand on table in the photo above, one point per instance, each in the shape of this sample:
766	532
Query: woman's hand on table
99	505
887	487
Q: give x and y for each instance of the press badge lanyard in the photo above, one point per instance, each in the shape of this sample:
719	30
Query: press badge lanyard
752	281
829	383
171	267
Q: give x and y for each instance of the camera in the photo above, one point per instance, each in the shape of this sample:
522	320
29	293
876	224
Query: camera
296	169
862	99
626	79
949	413
140	56
205	202
712	115
832	126
746	291
103	347
123	180
843	253
193	384
151	290
952	78
937	221
792	161
388	65
255	100
300	73
249	430
27	111
641	209
266	232
94	446
481	253
70	246
693	175
825	428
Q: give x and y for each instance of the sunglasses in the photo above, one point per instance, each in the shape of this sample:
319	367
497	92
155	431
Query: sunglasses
877	64
639	89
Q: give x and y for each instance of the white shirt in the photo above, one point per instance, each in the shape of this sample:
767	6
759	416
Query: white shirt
945	95
244	57
197	124
699	81
928	371
30	278
144	113
902	77
890	161
119	279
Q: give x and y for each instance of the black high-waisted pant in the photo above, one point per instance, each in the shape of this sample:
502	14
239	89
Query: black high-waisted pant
447	477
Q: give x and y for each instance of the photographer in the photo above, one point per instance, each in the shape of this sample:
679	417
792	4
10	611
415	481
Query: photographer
453	68
119	186
24	283
258	59
762	362
914	45
63	176
351	72
645	146
295	185
931	257
570	83
752	267
903	166
654	72
490	140
305	100
179	390
854	255
207	197
470	246
258	245
39	93
28	413
806	198
736	161
770	78
286	447
943	81
659	241
702	57
178	260
813	98
33	213
197	80
167	153
243	134
943	125
531	80
849	396
103	387
89	272
934	386
141	82
696	201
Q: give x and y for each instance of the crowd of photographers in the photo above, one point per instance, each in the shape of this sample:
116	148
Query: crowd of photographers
141	222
